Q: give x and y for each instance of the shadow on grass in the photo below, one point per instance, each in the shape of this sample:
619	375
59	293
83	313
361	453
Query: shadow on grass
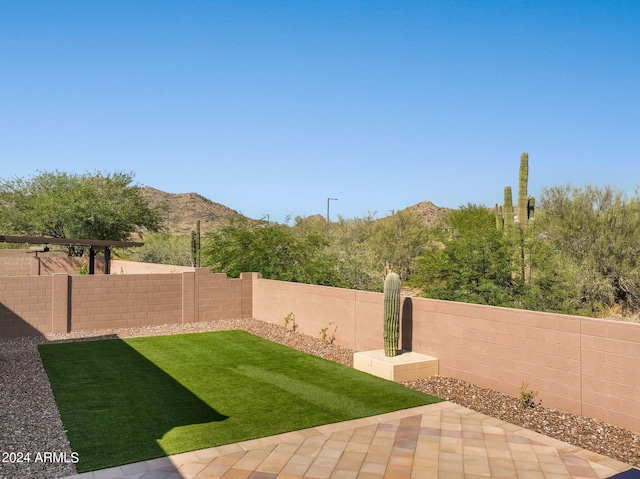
130	400
109	394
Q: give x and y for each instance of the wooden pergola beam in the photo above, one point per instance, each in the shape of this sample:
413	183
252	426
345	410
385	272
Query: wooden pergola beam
106	245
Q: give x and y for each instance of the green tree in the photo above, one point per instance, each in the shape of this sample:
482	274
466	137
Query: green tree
399	240
272	250
84	206
470	261
363	246
549	286
597	231
303	225
357	265
165	248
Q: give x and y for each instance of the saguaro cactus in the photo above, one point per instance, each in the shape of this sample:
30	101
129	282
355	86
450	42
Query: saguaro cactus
391	313
526	204
195	245
507	208
523	198
198	263
517	230
499	217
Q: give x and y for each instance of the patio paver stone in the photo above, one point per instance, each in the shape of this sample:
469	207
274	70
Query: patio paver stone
440	440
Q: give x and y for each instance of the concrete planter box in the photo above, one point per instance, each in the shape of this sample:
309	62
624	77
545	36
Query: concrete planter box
406	366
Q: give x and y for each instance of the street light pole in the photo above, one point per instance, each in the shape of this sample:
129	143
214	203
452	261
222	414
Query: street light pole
329	199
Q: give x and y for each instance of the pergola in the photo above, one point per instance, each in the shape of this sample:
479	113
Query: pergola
93	245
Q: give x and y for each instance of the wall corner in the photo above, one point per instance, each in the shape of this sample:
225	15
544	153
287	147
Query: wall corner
248	281
61	303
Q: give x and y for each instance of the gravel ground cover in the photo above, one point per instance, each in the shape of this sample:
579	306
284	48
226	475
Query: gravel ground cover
31	422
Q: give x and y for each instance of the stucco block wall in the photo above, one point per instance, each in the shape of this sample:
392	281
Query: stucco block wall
25	296
18	263
218	297
502	348
494	347
64	264
581	365
314	308
611	372
135	267
60	302
105	301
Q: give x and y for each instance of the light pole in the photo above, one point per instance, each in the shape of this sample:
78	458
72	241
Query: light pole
329	199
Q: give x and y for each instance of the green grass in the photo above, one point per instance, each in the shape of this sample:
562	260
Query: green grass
128	400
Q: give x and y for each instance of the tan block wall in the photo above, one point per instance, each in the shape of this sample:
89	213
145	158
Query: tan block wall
581	365
218	297
501	348
124	301
20	262
611	372
119	266
67	265
25	297
357	315
60	303
314	307
15	262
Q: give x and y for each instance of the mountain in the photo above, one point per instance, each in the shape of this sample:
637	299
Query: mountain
183	210
429	212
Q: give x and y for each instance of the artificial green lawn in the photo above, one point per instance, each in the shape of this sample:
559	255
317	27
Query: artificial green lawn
129	400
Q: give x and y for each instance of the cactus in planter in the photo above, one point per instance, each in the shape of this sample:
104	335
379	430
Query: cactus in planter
391	313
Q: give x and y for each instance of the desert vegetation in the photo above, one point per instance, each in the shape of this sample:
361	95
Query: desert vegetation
572	249
95	205
579	256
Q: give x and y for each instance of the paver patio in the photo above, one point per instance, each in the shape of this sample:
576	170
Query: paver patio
440	440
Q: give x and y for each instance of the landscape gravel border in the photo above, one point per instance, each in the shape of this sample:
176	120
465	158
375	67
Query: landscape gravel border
31	421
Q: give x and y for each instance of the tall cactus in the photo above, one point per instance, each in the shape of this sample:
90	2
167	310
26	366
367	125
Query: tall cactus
507	208
391	313
499	218
195	245
194	249
198	262
517	230
523	197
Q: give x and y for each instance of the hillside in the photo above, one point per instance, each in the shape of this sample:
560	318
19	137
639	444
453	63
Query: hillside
429	212
183	210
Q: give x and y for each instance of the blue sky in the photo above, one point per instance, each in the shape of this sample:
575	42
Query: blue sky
271	107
